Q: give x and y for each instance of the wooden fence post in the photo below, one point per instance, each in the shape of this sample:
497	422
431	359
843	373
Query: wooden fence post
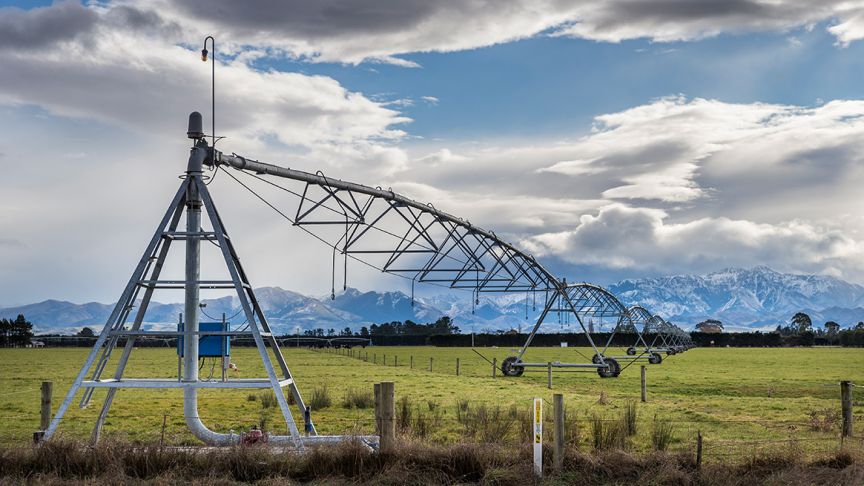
494	367
162	435
699	449
457	366
45	412
558	450
430	363
846	406
388	415
47	388
549	374
412	362
644	385
395	360
377	388
374	358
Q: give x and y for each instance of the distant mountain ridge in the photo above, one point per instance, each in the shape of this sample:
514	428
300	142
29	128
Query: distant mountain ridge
756	297
742	298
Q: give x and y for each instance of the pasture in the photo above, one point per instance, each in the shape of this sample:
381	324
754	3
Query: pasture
742	400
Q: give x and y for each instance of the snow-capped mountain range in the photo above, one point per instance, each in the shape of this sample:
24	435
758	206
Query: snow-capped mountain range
741	298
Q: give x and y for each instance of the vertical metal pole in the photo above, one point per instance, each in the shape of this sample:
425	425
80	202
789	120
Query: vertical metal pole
388	415
846	405
549	374
558	451
47	388
193	274
644	385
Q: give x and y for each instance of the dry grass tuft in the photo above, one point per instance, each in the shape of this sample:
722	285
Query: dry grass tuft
356	398
320	398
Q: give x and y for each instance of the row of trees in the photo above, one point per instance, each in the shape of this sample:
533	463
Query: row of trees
442	326
799	332
15	333
799	324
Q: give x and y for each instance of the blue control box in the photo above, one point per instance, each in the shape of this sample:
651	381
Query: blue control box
209	346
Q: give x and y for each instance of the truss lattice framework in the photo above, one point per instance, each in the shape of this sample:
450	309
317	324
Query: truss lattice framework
427	245
190	198
424	244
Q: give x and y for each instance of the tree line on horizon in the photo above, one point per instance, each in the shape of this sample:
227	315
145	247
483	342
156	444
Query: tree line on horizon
443	326
15	333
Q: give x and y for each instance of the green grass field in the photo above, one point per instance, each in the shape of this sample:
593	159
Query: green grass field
737	398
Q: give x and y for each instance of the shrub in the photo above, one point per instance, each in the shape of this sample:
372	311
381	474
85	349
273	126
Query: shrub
487	423
267	399
355	398
629	419
403	414
462	408
572	431
604	399
608	434
662	434
320	398
425	422
823	420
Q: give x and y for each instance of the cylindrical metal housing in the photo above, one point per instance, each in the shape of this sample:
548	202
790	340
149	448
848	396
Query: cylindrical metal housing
196	126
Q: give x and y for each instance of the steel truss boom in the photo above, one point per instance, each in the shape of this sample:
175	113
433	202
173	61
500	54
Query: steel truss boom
433	246
427	245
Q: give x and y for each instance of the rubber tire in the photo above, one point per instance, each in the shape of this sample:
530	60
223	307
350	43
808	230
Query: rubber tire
508	369
631	351
595	359
612	371
655	358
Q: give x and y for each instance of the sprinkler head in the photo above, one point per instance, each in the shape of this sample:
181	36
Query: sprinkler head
204	55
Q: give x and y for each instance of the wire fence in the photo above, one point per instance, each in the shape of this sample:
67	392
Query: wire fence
476	421
454	418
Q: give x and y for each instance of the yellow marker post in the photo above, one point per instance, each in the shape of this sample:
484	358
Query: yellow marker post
538	437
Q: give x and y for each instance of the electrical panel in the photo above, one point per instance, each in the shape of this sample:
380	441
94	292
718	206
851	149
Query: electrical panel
209	346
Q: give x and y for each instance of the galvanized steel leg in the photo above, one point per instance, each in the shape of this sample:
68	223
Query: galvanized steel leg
115	314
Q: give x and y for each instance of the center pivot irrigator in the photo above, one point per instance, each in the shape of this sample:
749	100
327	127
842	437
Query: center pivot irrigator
196	340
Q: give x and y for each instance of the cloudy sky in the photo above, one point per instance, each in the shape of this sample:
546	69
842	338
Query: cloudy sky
612	139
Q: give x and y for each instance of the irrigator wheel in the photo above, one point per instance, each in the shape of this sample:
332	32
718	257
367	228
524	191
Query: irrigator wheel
509	367
655	358
671	352
612	370
596	359
631	351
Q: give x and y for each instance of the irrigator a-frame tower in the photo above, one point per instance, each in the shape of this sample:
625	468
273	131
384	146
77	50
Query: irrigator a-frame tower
194	200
